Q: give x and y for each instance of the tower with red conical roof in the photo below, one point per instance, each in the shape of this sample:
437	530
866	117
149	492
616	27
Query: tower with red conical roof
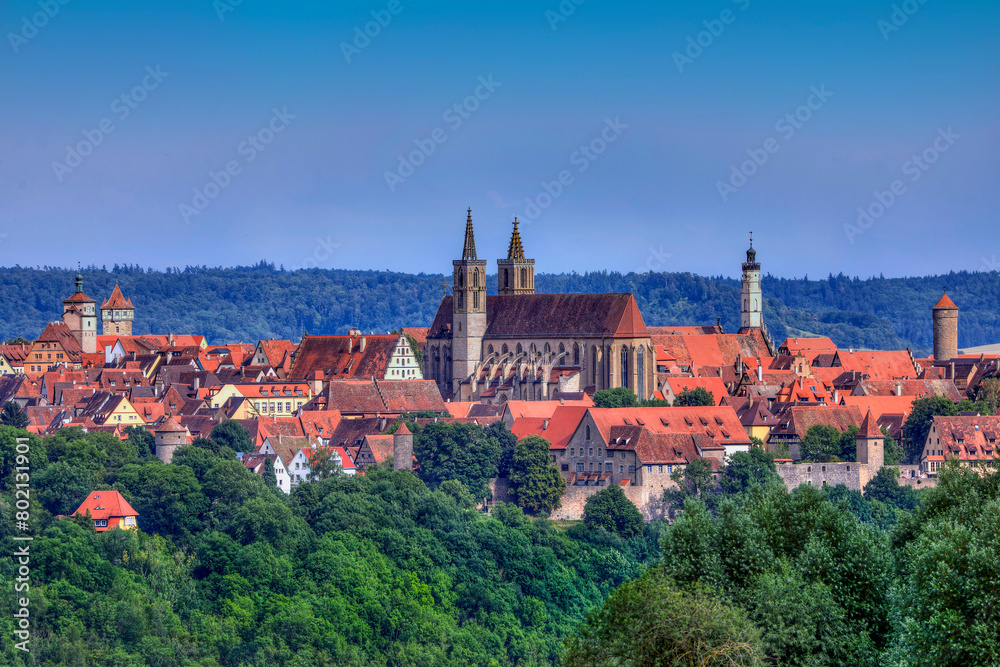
870	447
402	448
117	314
945	329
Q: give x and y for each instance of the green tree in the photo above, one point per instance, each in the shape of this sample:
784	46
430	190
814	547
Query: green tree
507	441
886	488
694	397
232	434
918	424
694	479
13	415
535	483
19	340
270	477
747	469
821	443
322	464
611	510
143	441
457	451
651	622
892	453
849	444
62	487
619	397
988	394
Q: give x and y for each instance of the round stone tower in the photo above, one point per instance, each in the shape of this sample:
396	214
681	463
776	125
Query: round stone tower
402	448
169	437
945	329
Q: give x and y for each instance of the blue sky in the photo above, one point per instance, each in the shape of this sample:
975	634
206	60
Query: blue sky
662	124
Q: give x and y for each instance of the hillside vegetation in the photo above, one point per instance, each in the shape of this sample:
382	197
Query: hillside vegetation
262	301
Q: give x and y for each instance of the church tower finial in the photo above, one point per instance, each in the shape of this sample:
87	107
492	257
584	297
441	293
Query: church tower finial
516	274
751	298
469	251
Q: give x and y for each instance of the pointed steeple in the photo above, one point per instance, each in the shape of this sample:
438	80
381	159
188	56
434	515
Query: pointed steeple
515	250
79	279
469	251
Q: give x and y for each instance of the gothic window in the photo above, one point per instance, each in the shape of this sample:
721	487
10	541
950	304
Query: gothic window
461	279
548	349
519	350
506	278
475	297
562	349
533	349
504	348
461	301
625	377
640	372
475	278
576	355
594	366
490	350
588	431
524	277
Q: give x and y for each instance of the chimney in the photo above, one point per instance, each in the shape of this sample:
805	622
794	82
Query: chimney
836	397
952	367
381	423
562	401
545	425
361	346
197	383
899	389
350	345
760	371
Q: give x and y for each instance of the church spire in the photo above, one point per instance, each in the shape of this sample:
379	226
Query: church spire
79	279
469	252
515	250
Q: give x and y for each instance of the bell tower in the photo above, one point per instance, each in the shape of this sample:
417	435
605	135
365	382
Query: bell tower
80	315
751	299
468	310
516	275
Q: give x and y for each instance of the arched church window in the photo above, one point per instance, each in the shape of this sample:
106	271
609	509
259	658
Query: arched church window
461	300
524	277
532	349
461	278
490	350
475	298
562	348
519	350
625	377
576	355
594	365
506	278
475	278
548	349
640	373
504	348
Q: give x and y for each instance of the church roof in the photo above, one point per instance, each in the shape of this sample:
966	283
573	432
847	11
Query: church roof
945	304
555	315
117	300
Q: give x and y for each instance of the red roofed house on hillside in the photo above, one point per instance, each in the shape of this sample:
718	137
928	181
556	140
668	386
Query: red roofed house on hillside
55	345
109	510
972	441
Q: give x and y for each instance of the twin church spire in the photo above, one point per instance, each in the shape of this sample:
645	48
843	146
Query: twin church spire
515	274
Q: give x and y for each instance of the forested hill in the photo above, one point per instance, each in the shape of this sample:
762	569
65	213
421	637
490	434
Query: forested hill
262	301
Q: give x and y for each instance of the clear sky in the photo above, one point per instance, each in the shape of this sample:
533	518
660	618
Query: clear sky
312	116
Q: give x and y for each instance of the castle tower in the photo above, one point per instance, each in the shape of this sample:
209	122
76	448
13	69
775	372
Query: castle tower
945	329
168	438
870	444
80	315
402	448
751	300
516	275
468	310
117	314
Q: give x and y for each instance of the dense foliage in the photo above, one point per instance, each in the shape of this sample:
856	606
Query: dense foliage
373	570
262	301
384	570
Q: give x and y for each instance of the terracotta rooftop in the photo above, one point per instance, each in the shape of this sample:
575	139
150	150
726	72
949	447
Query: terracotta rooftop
117	300
945	304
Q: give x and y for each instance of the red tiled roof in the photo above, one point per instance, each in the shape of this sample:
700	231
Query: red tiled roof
105	505
712	384
341	357
945	304
558	427
116	300
554	315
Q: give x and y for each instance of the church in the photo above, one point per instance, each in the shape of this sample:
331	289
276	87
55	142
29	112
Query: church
518	345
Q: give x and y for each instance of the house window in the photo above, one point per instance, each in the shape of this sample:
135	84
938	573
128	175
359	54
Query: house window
591	452
623	455
670	469
288	406
650	469
621	469
572	451
598	452
591	467
631	469
565	467
610	467
130	521
579	467
661	469
588	431
100	523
